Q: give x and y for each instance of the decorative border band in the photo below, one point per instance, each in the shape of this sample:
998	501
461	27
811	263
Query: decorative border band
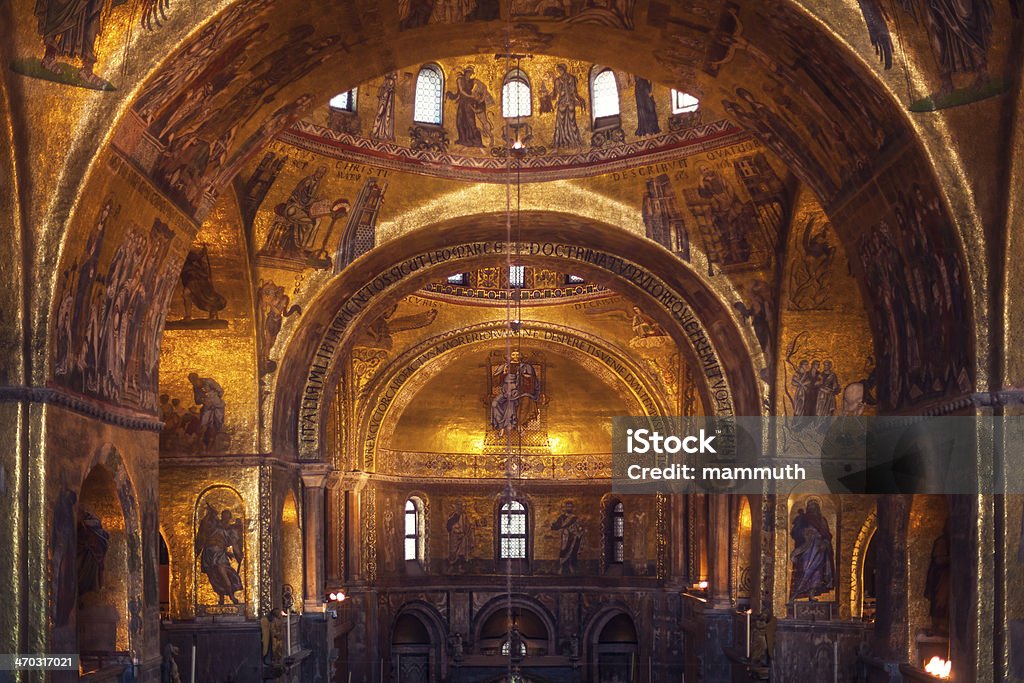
117	416
389	155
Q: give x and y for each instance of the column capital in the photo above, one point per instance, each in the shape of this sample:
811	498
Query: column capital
314	476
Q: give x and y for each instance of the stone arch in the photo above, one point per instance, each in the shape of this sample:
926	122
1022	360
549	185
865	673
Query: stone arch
516	601
933	602
700	324
437	629
596	657
741	570
385	390
527	501
425	518
799	500
104	505
607	505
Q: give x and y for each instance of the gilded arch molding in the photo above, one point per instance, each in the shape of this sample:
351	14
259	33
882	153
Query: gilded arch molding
313	358
385	395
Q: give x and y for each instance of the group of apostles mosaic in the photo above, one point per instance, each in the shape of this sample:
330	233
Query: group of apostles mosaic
107	328
476	113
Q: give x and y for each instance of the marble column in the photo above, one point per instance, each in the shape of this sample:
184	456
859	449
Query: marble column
718	547
313	488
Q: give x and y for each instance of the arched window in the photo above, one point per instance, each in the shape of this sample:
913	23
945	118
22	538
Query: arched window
414	529
512	531
506	648
429	95
517	276
345	101
604	97
616	532
516	100
683	103
459	279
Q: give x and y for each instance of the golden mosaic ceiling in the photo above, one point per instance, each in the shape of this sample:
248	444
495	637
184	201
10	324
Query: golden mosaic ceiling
241	102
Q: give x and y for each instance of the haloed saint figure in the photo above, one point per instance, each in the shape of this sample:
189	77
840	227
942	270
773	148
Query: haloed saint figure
518	397
813	558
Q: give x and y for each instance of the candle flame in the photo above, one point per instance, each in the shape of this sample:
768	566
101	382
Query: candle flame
702	585
939	667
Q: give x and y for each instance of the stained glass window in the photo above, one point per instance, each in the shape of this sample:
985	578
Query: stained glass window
459	279
604	95
513	530
617	529
413	529
516	101
429	95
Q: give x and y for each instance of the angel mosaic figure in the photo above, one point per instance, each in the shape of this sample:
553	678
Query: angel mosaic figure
218	543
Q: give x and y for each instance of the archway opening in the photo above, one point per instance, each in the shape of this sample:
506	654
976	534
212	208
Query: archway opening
102	575
291	553
929	585
164	577
869	588
414	649
743	564
616	651
518	632
652	280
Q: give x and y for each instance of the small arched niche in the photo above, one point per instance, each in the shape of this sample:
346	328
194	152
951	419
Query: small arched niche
615	652
929	588
164	577
813	576
101	564
415	646
520	631
220	562
743	568
291	551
